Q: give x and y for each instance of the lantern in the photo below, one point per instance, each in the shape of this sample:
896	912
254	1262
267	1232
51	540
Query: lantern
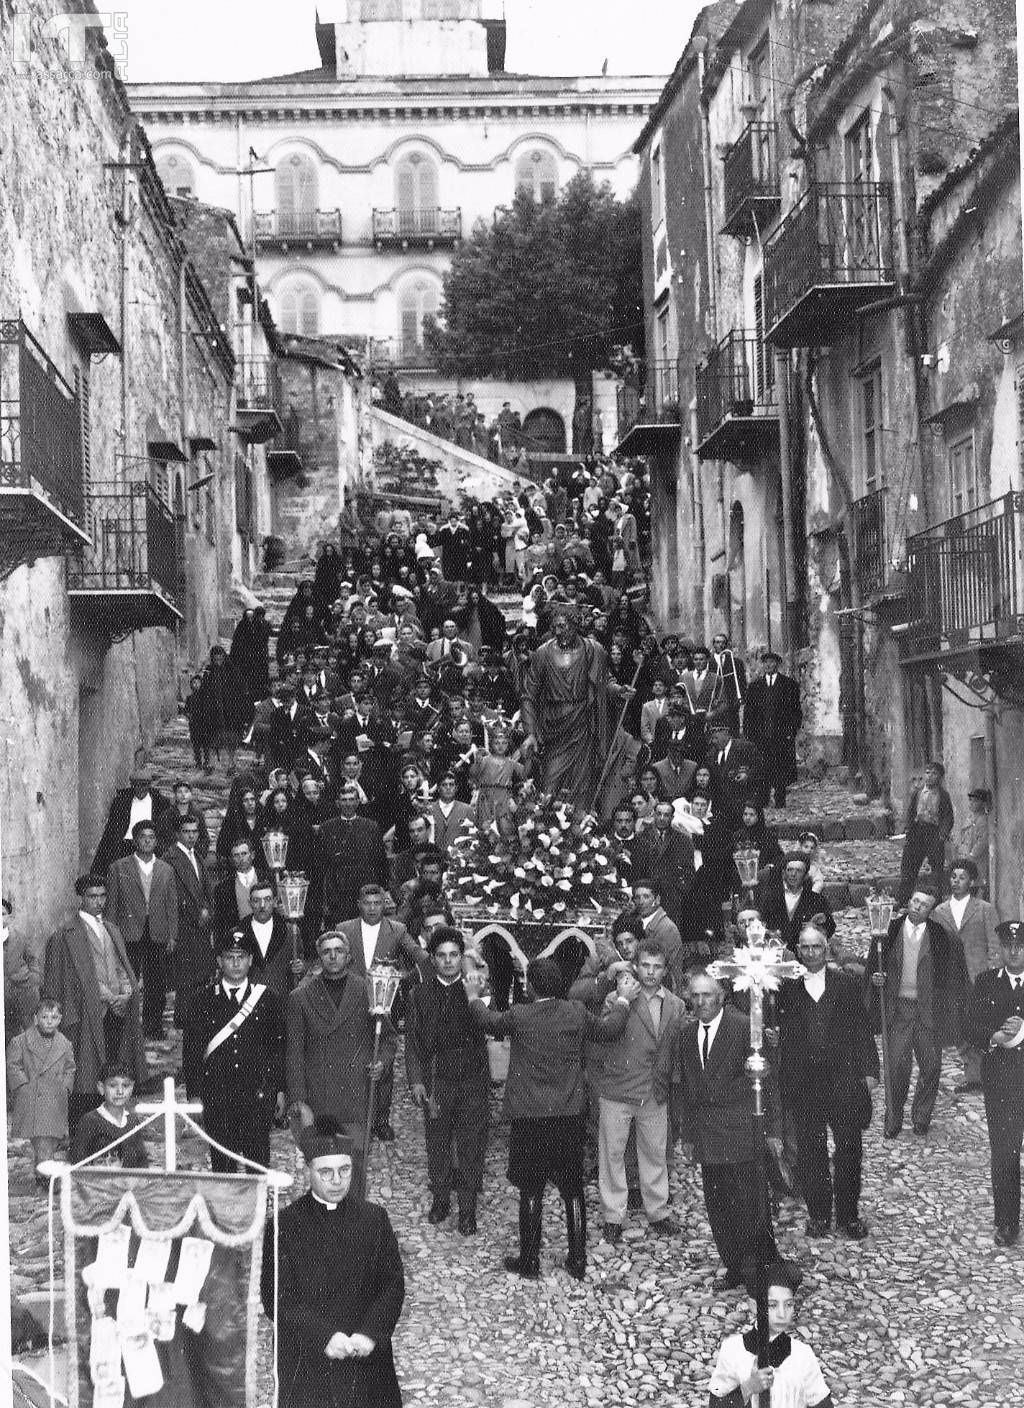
275	848
291	891
384	985
880	911
747	860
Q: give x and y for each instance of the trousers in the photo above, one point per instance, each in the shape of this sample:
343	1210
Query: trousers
819	1186
732	1197
150	963
615	1119
909	1037
924	843
1004	1112
458	1132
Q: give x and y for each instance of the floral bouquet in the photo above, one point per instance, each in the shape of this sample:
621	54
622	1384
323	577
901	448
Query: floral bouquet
546	863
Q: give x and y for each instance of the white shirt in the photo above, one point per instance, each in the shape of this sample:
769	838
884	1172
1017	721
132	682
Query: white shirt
792	900
797	1382
446	808
146	866
712	1032
814	983
262	931
369	934
141	810
235	993
957	908
192	857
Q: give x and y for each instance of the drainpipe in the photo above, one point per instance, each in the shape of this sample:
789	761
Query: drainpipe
789	587
709	225
124	221
990	783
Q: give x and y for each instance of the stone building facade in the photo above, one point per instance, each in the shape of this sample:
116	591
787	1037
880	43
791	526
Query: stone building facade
120	430
832	239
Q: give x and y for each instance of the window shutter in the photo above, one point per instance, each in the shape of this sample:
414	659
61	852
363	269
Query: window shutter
81	381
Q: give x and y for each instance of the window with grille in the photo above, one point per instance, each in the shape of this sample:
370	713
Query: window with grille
964	490
295	184
869	426
82	384
177	176
537	176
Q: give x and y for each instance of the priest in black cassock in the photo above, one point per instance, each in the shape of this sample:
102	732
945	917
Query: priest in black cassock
339	1287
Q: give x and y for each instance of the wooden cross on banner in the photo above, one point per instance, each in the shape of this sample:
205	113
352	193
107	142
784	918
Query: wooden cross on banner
170	1107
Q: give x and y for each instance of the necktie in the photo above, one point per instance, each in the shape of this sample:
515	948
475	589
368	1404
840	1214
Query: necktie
704	1046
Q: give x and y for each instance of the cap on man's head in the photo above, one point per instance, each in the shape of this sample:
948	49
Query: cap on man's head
772	655
89	882
231	940
1011	933
323	1139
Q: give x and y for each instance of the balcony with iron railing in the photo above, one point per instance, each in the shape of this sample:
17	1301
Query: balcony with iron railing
737	417
831	255
130	573
648	415
258	399
965	583
41	467
751	181
428	226
288	229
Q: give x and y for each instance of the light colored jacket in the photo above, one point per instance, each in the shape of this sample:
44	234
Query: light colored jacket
977	934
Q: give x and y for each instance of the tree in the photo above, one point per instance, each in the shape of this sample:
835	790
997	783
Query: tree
545	289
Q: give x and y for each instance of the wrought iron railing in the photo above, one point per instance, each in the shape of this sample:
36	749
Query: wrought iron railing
835	236
964	577
135	545
316	225
750	176
40	424
737	379
258	384
871	542
428	223
656	403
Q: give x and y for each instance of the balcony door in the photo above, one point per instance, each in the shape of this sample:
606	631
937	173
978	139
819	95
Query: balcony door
416	198
860	206
296	184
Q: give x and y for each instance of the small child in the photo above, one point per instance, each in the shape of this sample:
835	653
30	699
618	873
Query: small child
792	1374
99	1128
198	733
40	1075
495	775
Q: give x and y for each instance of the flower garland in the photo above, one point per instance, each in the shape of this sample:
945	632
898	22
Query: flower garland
548	862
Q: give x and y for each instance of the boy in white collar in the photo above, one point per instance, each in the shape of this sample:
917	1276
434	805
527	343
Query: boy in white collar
99	1128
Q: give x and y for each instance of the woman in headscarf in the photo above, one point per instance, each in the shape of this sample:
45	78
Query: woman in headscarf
243	821
226	713
754	833
480	621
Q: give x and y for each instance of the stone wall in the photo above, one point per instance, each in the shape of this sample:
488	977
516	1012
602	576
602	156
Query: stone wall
458	471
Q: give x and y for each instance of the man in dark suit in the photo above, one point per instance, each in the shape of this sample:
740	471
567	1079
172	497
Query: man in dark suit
675	771
929	822
664	855
828	1064
330	1044
139	801
194	963
787	901
772	717
677	721
231	895
232	1057
272	960
448	815
449	1077
142	902
285	728
737	771
87	969
167	823
350	853
924	975
995	1025
733	674
715	1112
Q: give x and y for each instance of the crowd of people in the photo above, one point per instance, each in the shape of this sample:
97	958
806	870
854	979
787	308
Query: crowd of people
406	711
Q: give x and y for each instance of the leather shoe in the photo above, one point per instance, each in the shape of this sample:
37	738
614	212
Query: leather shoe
856	1230
439	1210
818	1227
728	1281
892	1130
1006	1236
529	1273
612	1233
968	1087
467	1222
384	1132
664	1227
920	1128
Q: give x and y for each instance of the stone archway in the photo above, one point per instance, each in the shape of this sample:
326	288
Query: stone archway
544	431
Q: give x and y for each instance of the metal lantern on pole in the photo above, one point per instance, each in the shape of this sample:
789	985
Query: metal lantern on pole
292	888
275	848
748	860
758	968
384	983
880	911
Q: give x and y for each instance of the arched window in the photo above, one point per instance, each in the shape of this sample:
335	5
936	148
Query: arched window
300	310
544	431
537	176
177	176
416	195
296	190
418	300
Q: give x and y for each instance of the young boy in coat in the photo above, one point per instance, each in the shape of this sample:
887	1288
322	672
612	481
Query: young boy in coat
40	1075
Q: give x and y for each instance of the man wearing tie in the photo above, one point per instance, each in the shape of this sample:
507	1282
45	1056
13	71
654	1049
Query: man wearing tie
733	674
351	853
995	1025
231	896
737	771
142	901
771	719
974	923
703	688
194	964
924	976
716	1117
655	708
